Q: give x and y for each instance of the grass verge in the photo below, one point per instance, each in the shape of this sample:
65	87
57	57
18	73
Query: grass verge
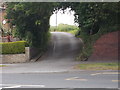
2	65
98	66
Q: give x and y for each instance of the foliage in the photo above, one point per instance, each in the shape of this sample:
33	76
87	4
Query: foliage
94	19
63	28
93	16
74	32
89	41
31	21
13	47
2	30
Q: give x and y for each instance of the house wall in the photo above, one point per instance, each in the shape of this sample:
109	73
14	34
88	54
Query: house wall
2	17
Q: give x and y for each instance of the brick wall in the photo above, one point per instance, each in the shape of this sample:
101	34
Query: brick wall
2	17
106	47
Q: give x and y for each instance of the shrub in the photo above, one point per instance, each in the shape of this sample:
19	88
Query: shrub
13	47
89	41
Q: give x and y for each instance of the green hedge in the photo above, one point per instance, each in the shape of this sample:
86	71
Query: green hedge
13	47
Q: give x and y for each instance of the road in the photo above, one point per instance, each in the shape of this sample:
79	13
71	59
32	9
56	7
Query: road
55	69
59	58
83	79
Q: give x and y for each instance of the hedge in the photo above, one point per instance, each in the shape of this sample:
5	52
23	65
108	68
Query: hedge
12	47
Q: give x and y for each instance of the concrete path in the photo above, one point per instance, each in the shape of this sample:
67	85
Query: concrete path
59	58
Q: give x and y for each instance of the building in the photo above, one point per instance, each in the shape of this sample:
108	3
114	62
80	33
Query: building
3	22
4	26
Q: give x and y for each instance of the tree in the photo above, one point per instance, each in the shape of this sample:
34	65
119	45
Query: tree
92	16
31	21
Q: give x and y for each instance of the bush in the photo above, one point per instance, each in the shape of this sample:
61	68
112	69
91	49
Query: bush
89	41
64	28
13	47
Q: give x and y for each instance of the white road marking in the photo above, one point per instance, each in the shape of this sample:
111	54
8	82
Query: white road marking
111	73
17	86
105	73
115	80
76	78
95	74
66	89
54	46
33	85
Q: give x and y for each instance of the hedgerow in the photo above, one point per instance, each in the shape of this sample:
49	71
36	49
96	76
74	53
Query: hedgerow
12	47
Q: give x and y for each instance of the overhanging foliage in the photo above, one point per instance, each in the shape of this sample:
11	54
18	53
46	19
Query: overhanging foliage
31	21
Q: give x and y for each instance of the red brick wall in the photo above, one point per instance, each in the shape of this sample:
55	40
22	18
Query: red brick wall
2	15
106	47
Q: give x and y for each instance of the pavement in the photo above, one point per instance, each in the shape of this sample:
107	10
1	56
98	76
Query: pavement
60	57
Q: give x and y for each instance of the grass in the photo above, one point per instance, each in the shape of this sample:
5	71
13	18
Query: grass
2	65
98	66
73	32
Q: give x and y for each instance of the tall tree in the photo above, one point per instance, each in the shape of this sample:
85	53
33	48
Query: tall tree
92	16
31	21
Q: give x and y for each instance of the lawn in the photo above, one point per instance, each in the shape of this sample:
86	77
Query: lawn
98	66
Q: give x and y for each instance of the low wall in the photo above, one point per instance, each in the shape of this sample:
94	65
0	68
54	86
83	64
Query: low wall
106	48
15	58
33	52
30	53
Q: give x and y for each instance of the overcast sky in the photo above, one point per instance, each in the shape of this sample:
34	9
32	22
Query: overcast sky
66	18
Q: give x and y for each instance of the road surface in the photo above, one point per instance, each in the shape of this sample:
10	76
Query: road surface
60	57
55	69
83	79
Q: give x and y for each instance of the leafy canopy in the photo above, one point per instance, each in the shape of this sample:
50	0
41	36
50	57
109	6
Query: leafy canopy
32	19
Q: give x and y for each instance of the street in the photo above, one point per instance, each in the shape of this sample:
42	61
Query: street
55	69
83	79
60	57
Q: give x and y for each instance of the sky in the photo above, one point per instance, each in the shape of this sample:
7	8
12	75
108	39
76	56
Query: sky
65	18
